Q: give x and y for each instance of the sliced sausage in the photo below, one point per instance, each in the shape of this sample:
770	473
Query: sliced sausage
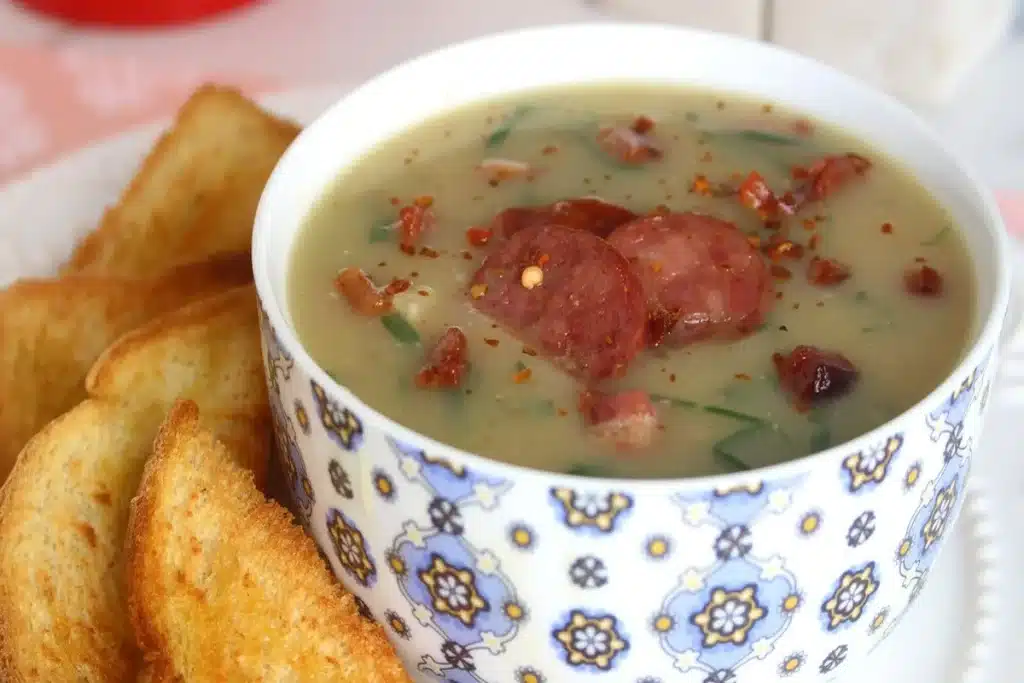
811	375
627	419
587	213
568	294
447	362
701	276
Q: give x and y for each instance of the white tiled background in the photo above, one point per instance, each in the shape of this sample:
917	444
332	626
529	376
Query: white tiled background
346	41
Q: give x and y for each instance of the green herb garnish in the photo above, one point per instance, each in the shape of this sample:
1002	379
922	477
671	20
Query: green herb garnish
735	415
400	329
382	232
520	366
500	134
585	469
723	450
756	136
677	402
937	237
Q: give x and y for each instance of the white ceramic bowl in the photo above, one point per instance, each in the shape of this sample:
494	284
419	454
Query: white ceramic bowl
487	572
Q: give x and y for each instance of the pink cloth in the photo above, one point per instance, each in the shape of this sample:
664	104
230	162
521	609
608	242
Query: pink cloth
55	100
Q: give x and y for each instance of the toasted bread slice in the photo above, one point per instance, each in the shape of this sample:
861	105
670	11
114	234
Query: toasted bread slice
206	549
64	509
51	332
196	192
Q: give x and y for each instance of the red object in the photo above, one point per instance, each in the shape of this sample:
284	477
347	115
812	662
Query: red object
131	13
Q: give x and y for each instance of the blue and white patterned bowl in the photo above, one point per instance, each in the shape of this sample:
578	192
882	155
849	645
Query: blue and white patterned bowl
486	572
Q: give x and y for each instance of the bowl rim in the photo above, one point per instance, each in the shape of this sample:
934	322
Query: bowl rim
985	344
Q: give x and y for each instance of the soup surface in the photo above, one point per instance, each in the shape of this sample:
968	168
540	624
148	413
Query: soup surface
632	281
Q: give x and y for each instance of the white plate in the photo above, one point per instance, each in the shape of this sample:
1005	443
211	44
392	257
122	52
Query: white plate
951	635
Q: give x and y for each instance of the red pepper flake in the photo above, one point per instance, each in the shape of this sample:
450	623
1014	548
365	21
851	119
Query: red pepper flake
672	377
809	224
755	194
409	250
395	201
543	259
783	248
920	259
706	157
812	243
397	286
428	252
780	272
742	376
887	228
549	150
562	412
423	292
798	173
529	351
478	237
491	342
754	241
700	185
522	376
923	281
826	272
424	201
467	256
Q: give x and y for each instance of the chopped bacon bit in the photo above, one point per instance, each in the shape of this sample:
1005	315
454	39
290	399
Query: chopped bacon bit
362	295
628	419
491	342
397	286
780	272
923	281
496	171
812	243
803	127
428	252
447	363
413	221
700	185
522	376
478	237
478	290
755	194
826	272
887	228
549	150
527	351
829	174
810	375
642	125
628	146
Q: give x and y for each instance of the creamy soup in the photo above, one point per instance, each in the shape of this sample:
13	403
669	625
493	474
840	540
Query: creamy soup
632	281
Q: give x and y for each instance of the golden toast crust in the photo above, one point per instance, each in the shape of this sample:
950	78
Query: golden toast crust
205	550
196	192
